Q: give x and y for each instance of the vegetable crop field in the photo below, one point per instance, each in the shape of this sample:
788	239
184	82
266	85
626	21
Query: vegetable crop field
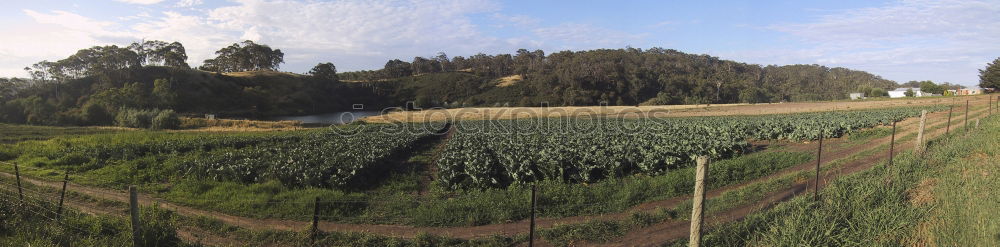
498	153
440	176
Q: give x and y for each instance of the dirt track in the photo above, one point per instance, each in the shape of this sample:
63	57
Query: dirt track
657	233
673	230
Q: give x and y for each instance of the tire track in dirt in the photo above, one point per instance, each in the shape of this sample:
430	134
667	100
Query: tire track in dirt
468	232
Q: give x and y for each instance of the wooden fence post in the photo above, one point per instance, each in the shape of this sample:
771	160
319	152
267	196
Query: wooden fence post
62	196
990	99
17	174
531	231
315	222
892	142
819	159
947	130
133	201
919	146
698	199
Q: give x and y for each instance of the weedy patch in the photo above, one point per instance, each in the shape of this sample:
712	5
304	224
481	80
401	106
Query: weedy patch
923	194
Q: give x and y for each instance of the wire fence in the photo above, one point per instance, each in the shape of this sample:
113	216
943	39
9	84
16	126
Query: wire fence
507	215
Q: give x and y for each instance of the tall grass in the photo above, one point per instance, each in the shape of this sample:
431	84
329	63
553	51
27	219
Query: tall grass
876	207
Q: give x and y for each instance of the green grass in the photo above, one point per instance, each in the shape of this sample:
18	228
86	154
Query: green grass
875	208
869	134
963	201
608	231
12	133
393	201
33	224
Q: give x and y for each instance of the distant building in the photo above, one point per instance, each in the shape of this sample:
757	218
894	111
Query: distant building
967	91
857	96
901	92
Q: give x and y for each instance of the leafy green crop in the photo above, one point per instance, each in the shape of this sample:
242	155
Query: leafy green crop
499	153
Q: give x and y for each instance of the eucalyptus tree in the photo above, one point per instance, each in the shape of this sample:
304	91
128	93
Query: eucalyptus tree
245	56
326	71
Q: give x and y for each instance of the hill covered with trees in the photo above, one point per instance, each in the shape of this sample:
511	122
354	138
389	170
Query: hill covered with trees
97	85
614	76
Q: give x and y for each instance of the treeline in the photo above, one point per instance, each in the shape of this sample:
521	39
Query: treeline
931	87
95	86
624	77
148	84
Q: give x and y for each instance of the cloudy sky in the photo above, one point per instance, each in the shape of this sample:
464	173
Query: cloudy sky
900	40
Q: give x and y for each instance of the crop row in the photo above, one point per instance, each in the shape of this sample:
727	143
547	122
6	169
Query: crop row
501	152
318	159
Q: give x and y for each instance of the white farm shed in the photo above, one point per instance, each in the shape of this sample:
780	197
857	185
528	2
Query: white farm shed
901	92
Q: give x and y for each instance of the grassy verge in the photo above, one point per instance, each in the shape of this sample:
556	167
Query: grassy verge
606	231
12	133
876	207
962	198
33	222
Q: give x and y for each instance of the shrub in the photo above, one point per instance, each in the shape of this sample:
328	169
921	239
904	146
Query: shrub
159	227
96	114
165	119
147	119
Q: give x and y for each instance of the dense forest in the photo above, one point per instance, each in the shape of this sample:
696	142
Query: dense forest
618	77
151	81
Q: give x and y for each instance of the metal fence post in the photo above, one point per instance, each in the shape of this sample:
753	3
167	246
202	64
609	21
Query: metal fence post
947	129
315	222
62	196
967	116
531	230
819	159
17	174
892	142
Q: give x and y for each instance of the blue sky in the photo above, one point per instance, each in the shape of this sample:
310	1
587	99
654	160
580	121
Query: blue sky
899	40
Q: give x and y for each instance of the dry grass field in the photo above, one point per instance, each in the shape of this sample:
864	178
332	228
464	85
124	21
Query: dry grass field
484	113
218	125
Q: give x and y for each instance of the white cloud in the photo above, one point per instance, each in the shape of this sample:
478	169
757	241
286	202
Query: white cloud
517	20
585	36
906	40
354	34
50	36
189	3
143	2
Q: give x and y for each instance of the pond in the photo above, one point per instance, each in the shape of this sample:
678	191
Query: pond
344	117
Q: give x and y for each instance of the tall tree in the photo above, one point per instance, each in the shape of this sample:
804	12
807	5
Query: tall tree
397	68
106	61
155	52
990	77
444	63
245	56
325	70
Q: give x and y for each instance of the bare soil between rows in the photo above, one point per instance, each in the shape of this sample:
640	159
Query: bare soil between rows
657	233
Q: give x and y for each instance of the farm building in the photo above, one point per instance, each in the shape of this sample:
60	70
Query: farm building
901	92
967	91
856	96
